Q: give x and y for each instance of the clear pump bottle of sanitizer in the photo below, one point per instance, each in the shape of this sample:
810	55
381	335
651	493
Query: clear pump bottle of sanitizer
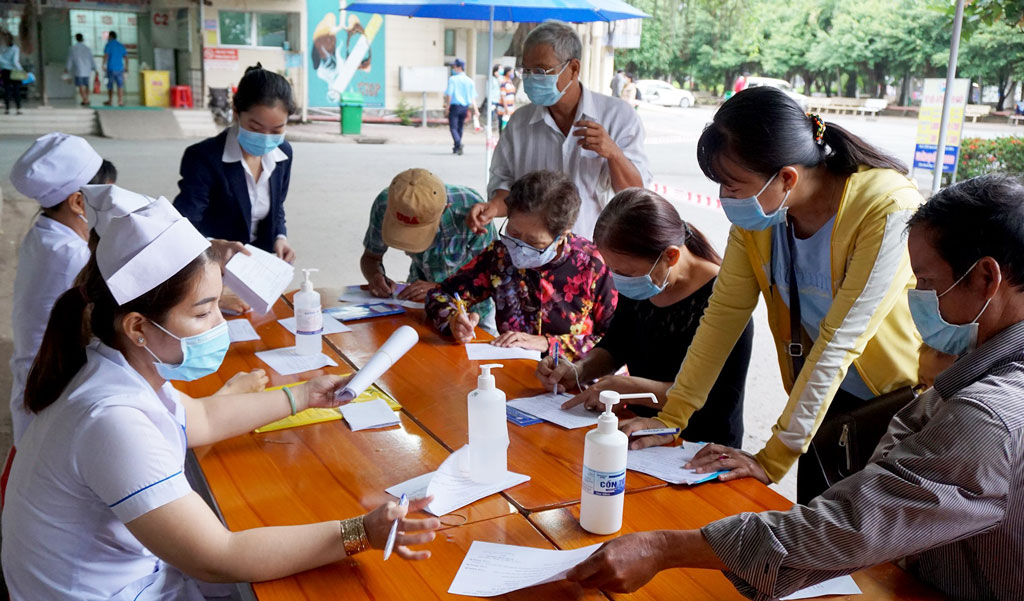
488	429
309	318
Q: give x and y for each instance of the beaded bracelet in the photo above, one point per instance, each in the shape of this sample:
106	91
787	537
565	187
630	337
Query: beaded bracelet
291	399
353	536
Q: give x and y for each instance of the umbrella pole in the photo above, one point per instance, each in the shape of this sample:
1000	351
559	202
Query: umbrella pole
947	101
489	103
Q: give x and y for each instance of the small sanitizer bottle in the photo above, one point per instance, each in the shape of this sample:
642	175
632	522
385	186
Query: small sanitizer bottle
488	430
604	469
309	318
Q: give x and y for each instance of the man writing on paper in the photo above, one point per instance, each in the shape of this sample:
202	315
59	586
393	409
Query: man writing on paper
943	489
596	140
426	218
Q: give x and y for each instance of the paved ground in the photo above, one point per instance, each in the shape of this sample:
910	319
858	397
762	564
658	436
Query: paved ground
333	184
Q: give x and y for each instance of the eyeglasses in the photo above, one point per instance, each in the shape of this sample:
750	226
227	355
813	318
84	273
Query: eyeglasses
516	241
542	71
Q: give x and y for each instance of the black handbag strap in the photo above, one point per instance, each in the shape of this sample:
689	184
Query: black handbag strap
796	347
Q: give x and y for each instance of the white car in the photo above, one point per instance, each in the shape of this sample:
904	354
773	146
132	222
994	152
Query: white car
782	84
660	92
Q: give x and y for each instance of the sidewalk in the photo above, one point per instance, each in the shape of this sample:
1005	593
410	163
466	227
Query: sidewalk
381	133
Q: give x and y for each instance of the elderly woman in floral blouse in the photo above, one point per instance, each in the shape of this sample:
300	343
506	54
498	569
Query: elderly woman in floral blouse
547	284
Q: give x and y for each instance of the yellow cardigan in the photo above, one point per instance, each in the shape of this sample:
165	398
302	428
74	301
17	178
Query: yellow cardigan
868	324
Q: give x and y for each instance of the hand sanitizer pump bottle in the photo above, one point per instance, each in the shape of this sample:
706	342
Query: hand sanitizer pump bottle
309	318
604	469
488	429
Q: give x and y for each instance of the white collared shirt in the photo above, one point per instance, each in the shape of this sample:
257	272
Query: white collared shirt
259	191
108	451
81	62
49	259
532	141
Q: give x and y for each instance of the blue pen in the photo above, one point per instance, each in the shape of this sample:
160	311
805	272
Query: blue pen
558	351
656	432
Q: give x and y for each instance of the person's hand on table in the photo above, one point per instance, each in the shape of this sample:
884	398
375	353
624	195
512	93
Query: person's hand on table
284	251
716	457
223	250
481	214
378	522
245	381
463	326
382	286
593	136
521	340
548	375
320	391
589	397
416	291
623	564
628	426
233	305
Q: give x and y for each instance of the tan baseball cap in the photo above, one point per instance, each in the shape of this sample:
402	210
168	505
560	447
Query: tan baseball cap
416	200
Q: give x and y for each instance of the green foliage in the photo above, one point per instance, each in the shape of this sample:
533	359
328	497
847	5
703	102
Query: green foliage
405	112
996	155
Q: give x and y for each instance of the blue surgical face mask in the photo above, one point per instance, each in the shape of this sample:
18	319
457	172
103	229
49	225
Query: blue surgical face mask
524	256
258	144
748	214
542	90
639	287
952	339
201	355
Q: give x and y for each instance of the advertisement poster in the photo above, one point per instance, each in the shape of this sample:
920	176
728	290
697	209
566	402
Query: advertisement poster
929	120
346	54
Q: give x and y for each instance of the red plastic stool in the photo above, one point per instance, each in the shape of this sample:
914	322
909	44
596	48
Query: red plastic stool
181	96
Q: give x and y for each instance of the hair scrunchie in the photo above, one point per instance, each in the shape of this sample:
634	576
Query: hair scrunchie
819	128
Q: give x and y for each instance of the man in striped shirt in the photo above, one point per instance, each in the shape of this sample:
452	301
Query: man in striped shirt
945	488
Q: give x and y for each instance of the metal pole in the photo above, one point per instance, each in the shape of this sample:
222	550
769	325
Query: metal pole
947	101
489	102
424	110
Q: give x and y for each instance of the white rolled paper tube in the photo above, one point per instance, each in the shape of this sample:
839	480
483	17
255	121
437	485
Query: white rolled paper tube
403	339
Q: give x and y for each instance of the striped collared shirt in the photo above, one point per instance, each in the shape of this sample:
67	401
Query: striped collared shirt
944	490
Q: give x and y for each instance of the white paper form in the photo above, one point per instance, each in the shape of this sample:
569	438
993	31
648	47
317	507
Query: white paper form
489	352
451	487
491	569
844	585
331	325
371	414
548	407
666	463
258	279
355	294
286	361
240	330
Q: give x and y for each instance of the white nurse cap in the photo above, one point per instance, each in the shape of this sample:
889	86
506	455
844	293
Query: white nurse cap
105	202
145	248
55	167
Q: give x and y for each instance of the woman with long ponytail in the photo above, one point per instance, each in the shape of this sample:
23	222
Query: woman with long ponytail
819	222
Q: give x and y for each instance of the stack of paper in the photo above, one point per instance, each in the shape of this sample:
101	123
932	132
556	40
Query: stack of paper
666	463
548	407
451	487
360	296
490	569
489	352
373	414
844	585
286	361
258	279
240	330
331	325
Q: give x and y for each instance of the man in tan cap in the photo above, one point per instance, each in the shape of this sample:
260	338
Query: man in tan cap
423	216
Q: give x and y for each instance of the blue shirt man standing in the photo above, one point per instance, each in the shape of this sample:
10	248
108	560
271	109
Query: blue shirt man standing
114	54
459	99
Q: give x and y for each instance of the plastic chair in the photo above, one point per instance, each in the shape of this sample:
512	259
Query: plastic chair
181	96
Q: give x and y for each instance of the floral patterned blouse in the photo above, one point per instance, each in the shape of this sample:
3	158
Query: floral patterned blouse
571	299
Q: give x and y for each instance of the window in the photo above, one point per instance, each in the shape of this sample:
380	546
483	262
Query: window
235	28
271	29
449	42
254	29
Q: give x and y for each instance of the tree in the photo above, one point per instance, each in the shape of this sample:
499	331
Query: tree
994	54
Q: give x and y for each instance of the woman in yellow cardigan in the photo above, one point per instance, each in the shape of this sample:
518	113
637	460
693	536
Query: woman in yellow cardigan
795	186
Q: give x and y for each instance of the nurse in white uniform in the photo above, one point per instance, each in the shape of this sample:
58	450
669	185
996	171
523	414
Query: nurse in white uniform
52	172
97	505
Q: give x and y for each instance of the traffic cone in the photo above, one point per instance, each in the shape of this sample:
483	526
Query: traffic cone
96	84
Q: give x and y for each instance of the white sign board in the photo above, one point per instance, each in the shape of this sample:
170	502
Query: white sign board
422	79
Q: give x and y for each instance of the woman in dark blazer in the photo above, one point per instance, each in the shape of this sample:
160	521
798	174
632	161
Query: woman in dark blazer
233	186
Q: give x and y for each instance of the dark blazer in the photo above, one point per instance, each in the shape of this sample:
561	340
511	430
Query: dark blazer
214	197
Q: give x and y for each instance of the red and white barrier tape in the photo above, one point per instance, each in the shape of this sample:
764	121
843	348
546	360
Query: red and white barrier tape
680	195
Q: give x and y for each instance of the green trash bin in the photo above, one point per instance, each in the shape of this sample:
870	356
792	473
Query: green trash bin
351	113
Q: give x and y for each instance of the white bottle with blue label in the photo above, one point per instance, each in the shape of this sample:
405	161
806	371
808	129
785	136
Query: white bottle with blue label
309	318
604	469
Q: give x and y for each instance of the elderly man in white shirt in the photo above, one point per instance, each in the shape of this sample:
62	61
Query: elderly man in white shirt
595	139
